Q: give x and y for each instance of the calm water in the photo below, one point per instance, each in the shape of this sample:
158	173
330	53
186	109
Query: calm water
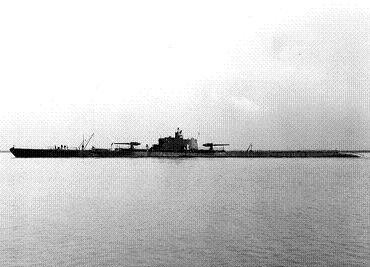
184	212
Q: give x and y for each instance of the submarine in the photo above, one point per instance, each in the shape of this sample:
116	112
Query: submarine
170	147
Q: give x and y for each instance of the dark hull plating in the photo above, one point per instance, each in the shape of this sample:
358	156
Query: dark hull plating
106	153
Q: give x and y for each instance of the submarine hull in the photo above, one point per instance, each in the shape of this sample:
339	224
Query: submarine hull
49	153
141	153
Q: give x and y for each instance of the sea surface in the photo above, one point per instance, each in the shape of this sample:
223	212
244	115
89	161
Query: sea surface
184	212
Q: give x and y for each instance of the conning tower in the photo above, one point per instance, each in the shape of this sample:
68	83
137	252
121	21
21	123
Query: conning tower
176	144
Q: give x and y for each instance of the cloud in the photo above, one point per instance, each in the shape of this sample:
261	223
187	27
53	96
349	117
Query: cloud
234	70
244	104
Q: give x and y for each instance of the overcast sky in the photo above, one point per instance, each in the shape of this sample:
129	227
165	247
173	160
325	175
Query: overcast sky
278	74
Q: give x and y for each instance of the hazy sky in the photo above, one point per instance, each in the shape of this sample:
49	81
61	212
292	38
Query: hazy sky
278	74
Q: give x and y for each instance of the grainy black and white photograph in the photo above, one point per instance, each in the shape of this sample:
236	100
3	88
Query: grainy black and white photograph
185	133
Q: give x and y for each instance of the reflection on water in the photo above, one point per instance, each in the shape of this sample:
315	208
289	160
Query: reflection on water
184	212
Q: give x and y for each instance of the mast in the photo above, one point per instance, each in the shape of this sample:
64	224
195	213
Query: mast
88	140
83	144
